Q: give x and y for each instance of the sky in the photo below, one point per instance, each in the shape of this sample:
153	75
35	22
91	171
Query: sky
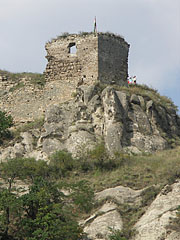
151	27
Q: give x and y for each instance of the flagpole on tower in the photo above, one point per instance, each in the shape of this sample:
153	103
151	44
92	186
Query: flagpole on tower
95	26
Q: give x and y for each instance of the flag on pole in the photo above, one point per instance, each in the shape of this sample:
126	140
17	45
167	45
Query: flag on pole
95	26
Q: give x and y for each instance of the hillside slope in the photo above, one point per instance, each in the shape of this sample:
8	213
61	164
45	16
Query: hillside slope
124	142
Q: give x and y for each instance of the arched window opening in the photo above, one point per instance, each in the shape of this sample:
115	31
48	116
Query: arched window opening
72	48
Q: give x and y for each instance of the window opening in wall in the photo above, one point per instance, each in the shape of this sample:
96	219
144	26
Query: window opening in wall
72	48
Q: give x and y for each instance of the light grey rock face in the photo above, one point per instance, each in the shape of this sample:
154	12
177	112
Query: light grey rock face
12	152
27	141
38	155
133	124
153	224
79	141
121	195
97	226
130	123
51	145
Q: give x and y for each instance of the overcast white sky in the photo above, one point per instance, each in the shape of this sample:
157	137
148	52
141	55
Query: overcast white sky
152	27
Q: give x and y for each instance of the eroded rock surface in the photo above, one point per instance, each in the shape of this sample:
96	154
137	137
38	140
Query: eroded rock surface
154	223
131	123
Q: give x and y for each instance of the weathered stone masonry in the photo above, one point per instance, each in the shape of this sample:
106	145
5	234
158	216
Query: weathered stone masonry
100	57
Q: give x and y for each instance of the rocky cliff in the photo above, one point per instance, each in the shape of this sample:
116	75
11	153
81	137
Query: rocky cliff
133	120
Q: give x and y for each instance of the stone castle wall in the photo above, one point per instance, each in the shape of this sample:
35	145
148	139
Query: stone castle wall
112	59
72	68
99	57
29	102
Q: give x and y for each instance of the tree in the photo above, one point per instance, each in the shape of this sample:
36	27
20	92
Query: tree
23	168
6	122
82	196
9	209
47	214
41	212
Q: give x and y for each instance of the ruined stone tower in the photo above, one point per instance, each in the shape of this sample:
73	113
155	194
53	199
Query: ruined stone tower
87	58
102	57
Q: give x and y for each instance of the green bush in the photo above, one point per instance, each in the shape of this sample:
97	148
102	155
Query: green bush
99	159
6	122
116	235
17	86
61	162
43	212
85	166
23	168
82	196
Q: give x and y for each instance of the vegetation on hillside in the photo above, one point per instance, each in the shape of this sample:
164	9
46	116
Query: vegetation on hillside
29	213
145	91
6	122
151	172
60	192
42	210
175	222
34	78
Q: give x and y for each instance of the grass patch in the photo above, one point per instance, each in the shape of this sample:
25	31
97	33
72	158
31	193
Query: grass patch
175	222
136	172
149	94
144	91
34	78
17	86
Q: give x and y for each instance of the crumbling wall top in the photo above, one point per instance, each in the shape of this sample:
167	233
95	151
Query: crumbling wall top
68	36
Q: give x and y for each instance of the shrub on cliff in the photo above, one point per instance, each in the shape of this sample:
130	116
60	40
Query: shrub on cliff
6	121
116	235
61	162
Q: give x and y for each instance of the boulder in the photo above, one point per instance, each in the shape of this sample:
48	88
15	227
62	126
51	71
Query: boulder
154	223
98	226
121	195
50	146
27	141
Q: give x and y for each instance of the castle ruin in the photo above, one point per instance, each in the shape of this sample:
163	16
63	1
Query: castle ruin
96	57
73	60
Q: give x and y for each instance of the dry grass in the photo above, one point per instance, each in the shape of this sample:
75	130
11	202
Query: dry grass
33	78
136	172
149	93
